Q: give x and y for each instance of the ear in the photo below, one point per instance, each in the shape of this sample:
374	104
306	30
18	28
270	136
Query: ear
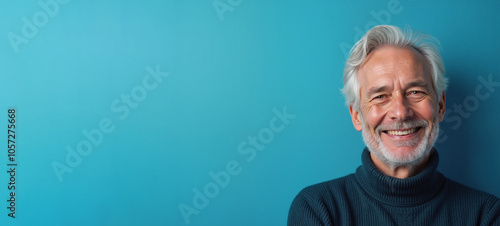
356	118
442	107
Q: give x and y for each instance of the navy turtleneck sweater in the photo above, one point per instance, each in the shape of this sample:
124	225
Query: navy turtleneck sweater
369	197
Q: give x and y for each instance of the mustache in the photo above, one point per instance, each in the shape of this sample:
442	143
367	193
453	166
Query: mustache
410	123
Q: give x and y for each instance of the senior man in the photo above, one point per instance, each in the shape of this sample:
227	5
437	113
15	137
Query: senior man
394	85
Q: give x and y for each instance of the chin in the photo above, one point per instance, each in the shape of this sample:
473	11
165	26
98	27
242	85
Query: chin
403	155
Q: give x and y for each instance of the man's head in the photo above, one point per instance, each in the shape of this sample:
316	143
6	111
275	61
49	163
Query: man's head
394	85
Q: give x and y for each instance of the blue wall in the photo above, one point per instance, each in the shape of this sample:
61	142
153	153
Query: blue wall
128	111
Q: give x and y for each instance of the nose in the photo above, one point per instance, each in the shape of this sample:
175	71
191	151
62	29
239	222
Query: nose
399	109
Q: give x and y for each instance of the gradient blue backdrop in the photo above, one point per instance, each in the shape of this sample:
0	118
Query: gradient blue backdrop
227	73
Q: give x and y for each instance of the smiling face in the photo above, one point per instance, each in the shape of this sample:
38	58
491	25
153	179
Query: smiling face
399	110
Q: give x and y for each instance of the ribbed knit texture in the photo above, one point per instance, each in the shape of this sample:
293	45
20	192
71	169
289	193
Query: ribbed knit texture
369	197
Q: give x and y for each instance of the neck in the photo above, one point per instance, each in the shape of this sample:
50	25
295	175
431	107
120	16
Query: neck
399	171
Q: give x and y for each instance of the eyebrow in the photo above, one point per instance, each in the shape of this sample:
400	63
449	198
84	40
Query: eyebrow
374	90
417	83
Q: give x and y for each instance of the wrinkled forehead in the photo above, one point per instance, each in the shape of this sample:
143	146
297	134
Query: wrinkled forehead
388	63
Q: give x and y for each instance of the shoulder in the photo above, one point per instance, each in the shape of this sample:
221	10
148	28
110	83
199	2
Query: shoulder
320	203
464	192
472	201
328	189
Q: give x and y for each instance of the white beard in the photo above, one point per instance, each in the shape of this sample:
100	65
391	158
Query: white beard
392	159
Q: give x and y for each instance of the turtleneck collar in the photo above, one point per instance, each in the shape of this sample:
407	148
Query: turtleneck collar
400	192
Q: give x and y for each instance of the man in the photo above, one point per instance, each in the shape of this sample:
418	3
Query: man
394	85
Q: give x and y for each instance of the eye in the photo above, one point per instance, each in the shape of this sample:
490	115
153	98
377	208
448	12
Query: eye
379	98
416	94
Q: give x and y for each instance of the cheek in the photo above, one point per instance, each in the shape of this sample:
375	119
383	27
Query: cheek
426	110
374	115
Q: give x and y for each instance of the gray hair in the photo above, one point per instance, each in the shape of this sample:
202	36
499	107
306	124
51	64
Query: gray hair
393	36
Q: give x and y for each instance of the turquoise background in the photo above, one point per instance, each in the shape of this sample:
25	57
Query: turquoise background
226	76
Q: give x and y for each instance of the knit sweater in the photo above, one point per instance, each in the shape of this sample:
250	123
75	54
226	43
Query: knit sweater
369	197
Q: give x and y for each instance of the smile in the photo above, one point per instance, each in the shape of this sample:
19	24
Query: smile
403	132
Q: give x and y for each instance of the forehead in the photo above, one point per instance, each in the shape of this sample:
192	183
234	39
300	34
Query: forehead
388	64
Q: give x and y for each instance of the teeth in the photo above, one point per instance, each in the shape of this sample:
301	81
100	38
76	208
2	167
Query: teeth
401	132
